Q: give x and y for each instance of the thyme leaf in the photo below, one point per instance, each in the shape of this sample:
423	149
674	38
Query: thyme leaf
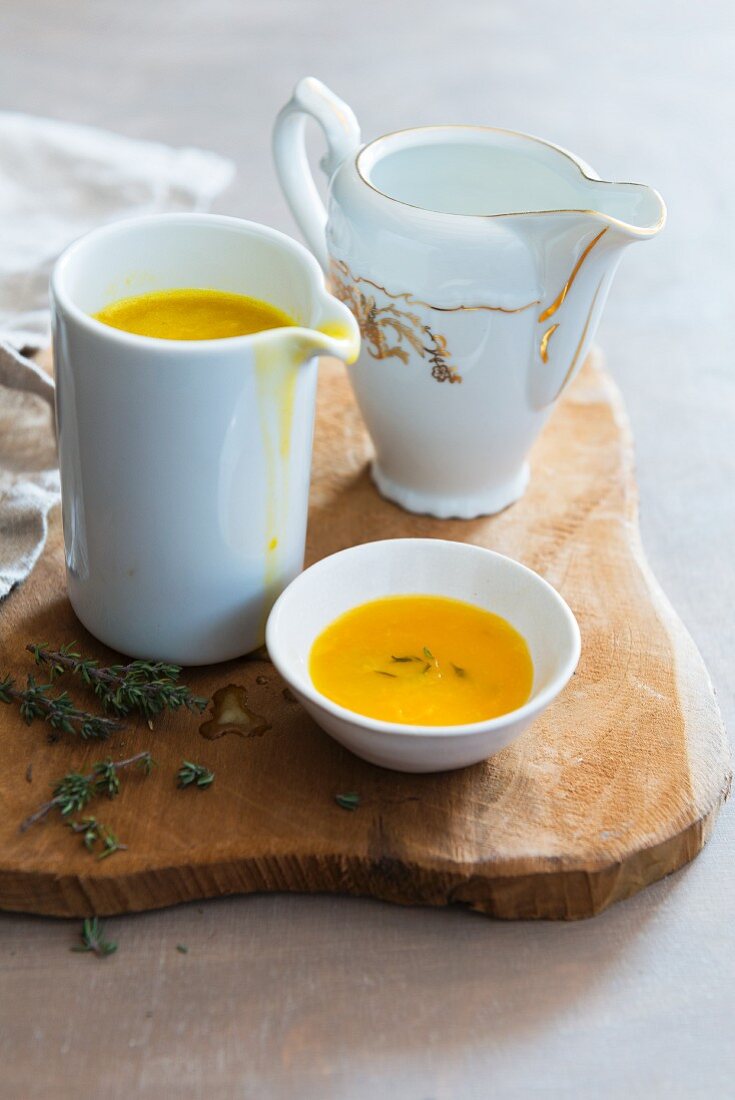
193	774
349	801
93	831
92	934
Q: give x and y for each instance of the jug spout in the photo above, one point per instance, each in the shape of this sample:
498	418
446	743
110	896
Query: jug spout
633	210
577	253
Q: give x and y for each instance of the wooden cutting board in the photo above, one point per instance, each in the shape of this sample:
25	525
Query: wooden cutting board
617	785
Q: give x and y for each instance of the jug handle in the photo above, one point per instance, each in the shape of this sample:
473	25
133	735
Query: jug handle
342	132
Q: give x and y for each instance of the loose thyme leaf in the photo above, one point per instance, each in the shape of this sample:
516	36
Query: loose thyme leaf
93	831
195	774
428	654
111	844
459	671
402	660
380	672
92	939
348	801
182	948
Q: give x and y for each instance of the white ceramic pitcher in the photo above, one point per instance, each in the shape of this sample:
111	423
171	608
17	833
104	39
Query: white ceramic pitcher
185	463
477	262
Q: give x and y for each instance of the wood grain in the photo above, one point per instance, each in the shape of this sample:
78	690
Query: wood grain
616	786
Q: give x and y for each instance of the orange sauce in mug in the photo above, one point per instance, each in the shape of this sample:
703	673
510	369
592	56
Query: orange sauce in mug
191	314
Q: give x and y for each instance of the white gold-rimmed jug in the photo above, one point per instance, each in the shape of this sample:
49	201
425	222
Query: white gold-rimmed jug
477	262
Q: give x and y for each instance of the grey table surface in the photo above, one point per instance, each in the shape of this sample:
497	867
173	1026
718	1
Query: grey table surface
329	997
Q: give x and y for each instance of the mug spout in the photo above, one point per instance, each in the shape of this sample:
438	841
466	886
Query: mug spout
335	333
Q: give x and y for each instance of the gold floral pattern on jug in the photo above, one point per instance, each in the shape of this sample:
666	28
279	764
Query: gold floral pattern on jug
387	331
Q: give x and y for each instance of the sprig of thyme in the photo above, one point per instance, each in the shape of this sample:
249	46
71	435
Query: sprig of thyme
92	939
59	710
197	774
145	686
73	791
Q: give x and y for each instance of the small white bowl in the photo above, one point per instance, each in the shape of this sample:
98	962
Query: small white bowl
431	567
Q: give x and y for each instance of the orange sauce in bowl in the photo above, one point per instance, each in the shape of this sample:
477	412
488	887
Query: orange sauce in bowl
422	660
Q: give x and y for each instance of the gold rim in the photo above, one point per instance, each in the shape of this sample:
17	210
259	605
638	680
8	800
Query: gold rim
409	299
649	232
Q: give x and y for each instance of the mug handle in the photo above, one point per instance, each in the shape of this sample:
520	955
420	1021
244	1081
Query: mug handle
342	132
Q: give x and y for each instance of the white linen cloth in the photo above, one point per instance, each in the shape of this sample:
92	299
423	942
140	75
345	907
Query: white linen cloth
58	180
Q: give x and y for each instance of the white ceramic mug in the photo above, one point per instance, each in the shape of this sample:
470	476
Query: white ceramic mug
185	464
477	262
